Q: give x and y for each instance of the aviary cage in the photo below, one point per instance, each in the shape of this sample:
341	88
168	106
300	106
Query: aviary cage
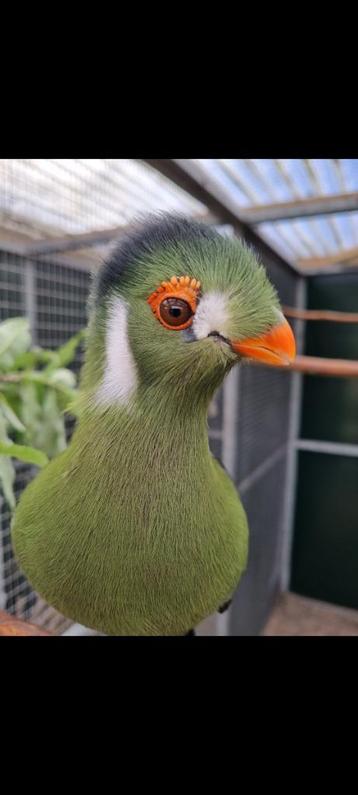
57	219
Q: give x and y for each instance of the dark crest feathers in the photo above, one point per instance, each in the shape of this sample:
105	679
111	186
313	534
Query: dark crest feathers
156	232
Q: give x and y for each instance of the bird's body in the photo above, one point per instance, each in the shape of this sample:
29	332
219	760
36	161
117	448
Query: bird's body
136	529
136	564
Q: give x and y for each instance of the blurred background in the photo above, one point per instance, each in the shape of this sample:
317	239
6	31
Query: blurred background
289	439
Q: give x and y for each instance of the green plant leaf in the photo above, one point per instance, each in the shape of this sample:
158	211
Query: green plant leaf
66	353
36	388
3	430
7	479
46	379
71	403
33	358
24	453
10	415
63	377
54	436
30	411
15	339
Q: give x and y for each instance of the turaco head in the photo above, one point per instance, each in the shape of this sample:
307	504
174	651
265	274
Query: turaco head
172	310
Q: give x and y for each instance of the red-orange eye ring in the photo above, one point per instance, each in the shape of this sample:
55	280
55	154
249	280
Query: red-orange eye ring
174	303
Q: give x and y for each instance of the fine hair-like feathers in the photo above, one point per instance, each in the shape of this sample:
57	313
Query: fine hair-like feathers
135	529
157	232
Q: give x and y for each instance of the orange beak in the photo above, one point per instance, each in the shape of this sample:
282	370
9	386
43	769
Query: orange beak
278	347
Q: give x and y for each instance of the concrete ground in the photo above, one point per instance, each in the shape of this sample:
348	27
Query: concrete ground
292	615
296	615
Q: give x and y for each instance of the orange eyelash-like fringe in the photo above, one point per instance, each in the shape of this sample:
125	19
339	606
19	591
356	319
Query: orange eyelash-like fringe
178	287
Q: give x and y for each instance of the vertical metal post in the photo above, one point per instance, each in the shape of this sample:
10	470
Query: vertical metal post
293	433
2	565
230	420
229	455
218	624
30	296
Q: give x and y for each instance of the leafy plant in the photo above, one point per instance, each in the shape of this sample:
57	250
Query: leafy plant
36	389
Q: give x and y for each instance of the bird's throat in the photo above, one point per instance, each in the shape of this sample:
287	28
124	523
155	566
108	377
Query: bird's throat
154	440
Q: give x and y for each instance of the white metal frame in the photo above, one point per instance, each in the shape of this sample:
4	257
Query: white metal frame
293	435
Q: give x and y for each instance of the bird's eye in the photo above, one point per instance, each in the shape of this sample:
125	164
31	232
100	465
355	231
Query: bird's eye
174	303
175	312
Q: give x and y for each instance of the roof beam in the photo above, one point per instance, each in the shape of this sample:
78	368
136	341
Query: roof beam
53	245
191	178
84	240
301	208
347	256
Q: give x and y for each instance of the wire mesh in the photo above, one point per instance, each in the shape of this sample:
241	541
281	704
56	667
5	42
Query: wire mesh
263	503
57	290
43	198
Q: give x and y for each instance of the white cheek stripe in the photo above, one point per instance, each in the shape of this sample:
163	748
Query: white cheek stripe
120	374
211	315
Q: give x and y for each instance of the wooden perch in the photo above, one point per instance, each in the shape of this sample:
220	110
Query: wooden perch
313	365
10	625
320	314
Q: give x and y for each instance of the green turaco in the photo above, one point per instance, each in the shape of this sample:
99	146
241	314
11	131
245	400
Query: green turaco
136	529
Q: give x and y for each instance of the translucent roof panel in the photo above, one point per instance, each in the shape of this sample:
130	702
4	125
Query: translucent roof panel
54	198
249	183
45	198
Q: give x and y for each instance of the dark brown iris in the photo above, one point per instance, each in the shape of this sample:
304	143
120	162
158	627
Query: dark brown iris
175	312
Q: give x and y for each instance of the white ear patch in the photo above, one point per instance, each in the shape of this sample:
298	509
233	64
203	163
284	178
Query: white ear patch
211	315
280	316
120	373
